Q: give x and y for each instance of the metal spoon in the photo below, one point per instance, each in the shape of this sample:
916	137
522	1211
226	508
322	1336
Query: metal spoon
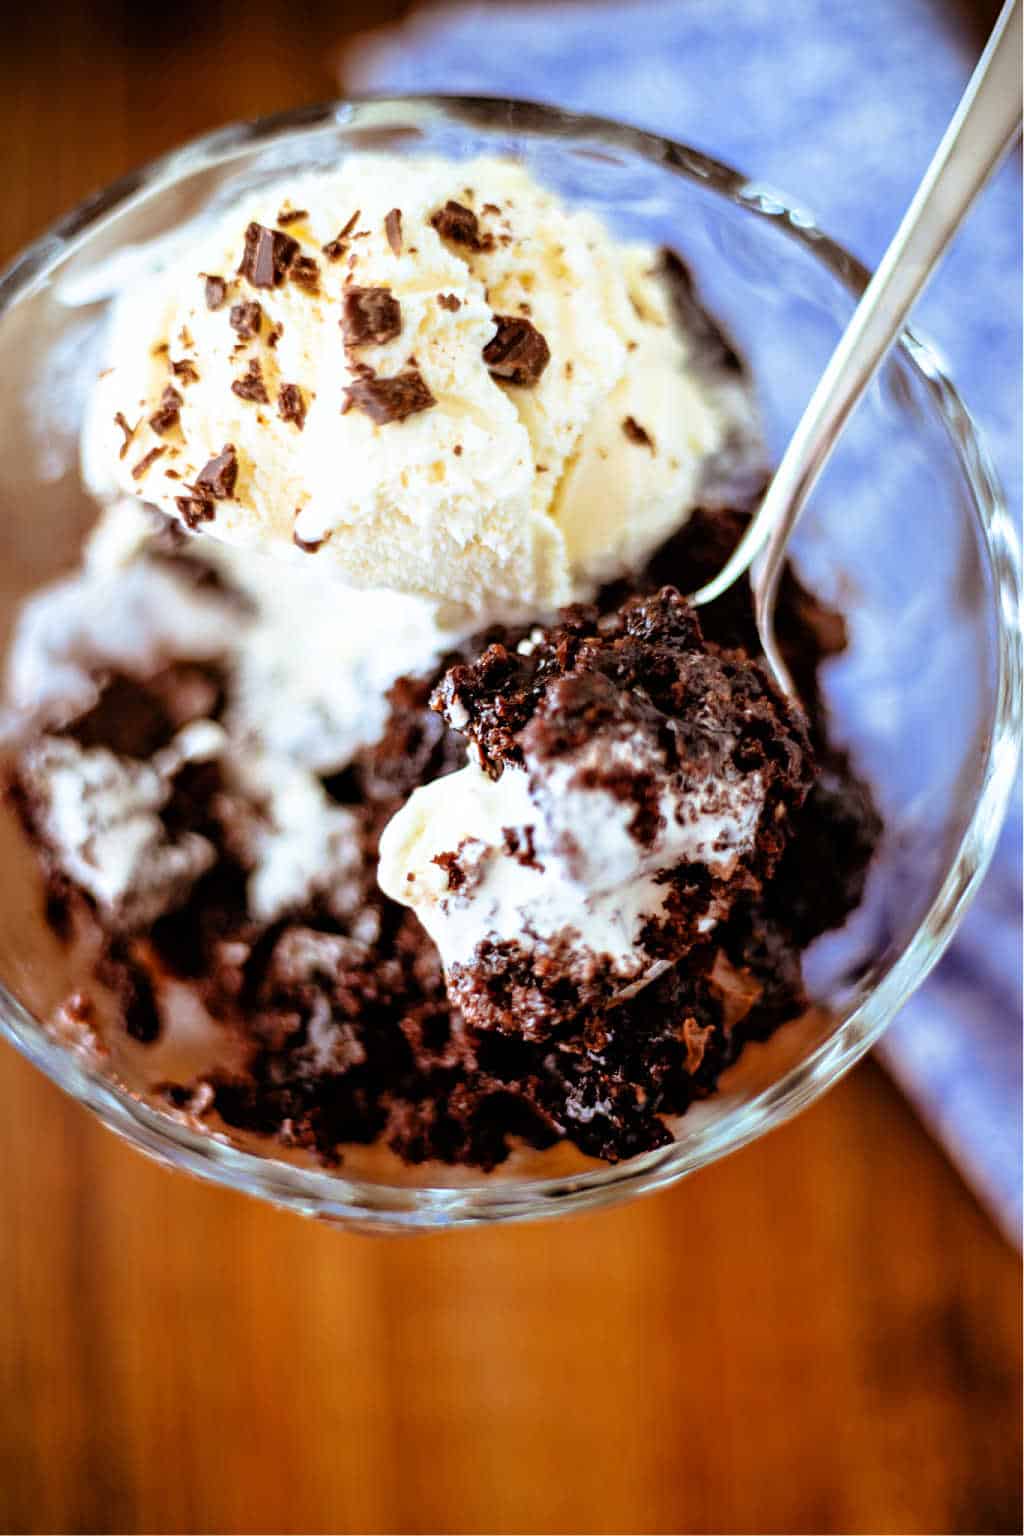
984	126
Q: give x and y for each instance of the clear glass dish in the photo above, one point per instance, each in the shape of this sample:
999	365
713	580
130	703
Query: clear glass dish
907	533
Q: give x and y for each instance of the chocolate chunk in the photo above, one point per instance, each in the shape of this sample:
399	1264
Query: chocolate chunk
458	225
449	863
291	406
306	272
167	413
216	292
636	433
335	249
144	463
195	510
217	477
129	432
386	400
251	386
393	230
246	318
517	352
449	301
370	316
185	370
292	215
709	341
267	256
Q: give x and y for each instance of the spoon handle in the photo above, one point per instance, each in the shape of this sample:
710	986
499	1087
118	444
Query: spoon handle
983	128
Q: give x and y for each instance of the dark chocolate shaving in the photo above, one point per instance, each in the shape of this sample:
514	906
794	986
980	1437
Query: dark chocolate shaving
274	334
217	477
147	460
335	249
215	292
370	316
129	432
458	225
251	386
517	352
393	230
246	318
291	406
636	433
267	256
449	301
292	215
306	272
195	510
387	400
185	370
167	412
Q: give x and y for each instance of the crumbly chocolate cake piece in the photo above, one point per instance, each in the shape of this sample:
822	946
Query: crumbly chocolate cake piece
350	1033
673	736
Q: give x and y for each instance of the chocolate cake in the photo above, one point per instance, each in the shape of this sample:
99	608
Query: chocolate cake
350	1031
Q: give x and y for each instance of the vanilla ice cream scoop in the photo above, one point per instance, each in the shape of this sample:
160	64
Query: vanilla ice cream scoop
428	377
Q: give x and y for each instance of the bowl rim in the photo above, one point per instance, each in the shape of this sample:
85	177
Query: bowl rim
369	1205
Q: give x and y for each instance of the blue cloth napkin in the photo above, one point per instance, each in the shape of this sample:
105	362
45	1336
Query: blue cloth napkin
743	80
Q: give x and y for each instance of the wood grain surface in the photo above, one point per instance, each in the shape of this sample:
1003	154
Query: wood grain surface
820	1334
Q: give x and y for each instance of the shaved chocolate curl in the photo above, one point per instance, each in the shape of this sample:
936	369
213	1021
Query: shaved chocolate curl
335	249
291	406
370	316
458	225
267	256
251	386
246	318
129	431
215	291
217	477
195	510
306	272
147	462
517	353
387	400
167	412
393	230
637	434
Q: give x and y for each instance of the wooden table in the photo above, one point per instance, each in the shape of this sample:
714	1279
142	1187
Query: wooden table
820	1334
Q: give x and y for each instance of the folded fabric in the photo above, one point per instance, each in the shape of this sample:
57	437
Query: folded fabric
879	81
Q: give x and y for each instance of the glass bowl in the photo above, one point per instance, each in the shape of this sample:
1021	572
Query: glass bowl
907	533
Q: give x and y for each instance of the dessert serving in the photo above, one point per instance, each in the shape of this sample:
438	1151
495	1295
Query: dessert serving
375	724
